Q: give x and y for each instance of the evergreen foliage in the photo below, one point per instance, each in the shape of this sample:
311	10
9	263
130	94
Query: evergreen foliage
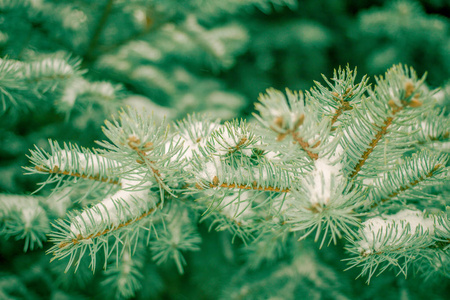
186	190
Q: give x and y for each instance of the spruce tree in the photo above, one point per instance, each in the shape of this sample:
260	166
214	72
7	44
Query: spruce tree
174	196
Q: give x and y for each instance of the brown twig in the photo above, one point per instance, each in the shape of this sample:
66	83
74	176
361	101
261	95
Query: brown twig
344	105
279	122
305	146
133	143
253	187
132	221
408	186
56	170
375	141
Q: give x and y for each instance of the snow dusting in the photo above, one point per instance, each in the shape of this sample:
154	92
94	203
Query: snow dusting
194	137
85	163
389	229
322	181
228	140
134	202
212	169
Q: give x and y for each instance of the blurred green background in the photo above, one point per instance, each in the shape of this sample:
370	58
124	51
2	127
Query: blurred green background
66	66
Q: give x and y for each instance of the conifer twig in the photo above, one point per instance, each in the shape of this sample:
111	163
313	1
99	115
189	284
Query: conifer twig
132	142
254	186
108	230
375	140
297	138
305	146
408	186
409	91
56	170
344	105
436	245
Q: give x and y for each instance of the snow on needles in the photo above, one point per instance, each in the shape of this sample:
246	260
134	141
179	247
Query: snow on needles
84	163
230	138
194	137
133	198
211	169
322	181
388	230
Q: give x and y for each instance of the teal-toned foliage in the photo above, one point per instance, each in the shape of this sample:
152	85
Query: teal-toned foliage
155	175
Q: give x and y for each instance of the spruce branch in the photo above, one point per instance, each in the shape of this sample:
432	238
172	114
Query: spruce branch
75	162
394	103
124	275
411	184
79	238
56	170
25	84
324	203
253	187
341	95
397	241
10	73
179	235
382	131
433	131
24	217
305	146
219	45
149	26
119	217
140	144
49	70
344	106
215	173
317	164
410	176
133	141
290	117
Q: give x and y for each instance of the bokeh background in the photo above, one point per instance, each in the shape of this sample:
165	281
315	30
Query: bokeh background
66	66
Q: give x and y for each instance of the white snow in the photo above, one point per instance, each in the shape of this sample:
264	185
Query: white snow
369	181
321	182
71	92
200	136
271	155
84	163
60	202
145	105
376	230
132	198
228	140
80	86
212	169
441	95
30	215
247	151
